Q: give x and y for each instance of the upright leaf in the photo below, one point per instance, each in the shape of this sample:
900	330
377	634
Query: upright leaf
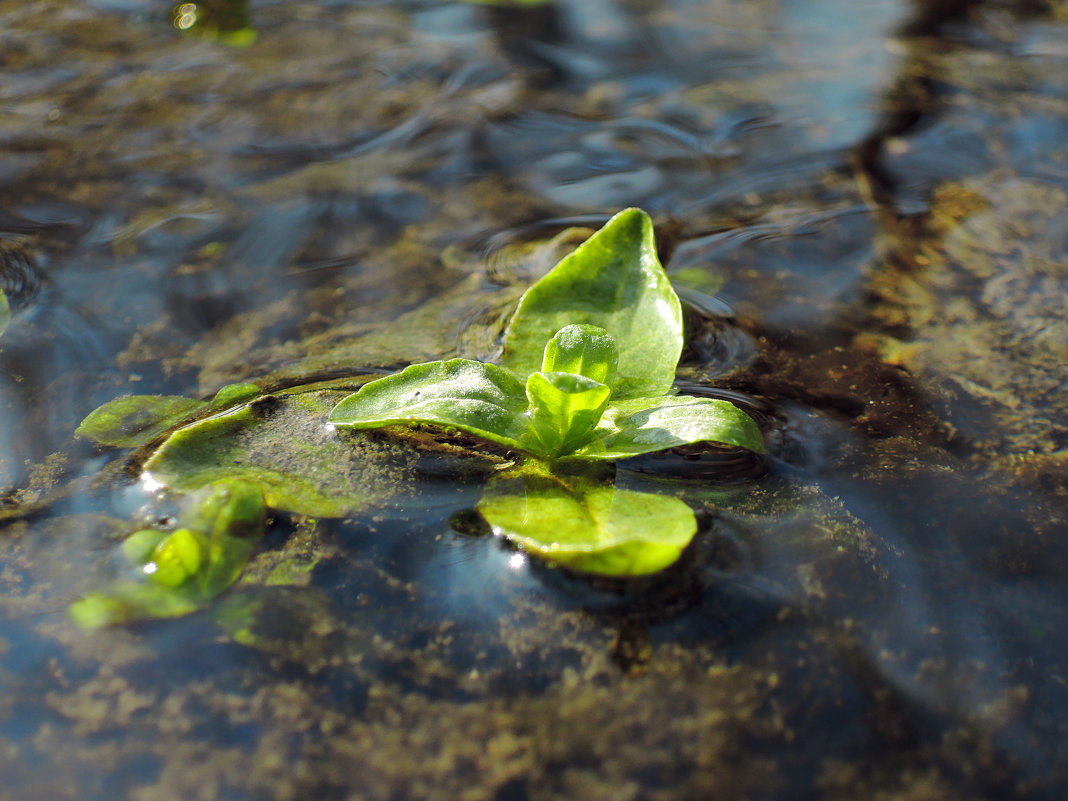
564	408
614	280
584	350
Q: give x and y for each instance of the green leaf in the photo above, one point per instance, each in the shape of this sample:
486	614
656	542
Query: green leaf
479	398
614	280
233	516
233	507
644	425
188	567
133	420
590	527
583	350
126	601
233	394
139	546
176	559
282	445
563	410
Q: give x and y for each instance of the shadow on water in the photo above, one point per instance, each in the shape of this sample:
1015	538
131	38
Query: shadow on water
861	206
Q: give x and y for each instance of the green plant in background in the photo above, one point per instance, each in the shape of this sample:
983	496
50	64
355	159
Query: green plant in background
584	379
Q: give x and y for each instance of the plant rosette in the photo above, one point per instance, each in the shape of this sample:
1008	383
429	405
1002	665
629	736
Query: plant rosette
584	379
585	375
586	371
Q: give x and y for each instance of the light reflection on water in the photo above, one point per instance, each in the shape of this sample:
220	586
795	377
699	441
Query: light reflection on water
194	210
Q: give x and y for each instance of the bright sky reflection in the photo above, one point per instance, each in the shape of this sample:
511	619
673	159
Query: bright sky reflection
149	483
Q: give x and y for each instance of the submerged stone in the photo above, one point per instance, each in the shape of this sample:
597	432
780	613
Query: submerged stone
982	322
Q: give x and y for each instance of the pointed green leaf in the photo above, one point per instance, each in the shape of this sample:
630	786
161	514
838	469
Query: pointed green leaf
644	425
583	350
563	410
614	280
481	399
590	528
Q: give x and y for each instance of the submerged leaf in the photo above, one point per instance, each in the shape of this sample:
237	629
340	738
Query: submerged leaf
614	281
281	444
645	425
590	527
185	568
138	547
233	516
127	601
133	420
177	558
482	399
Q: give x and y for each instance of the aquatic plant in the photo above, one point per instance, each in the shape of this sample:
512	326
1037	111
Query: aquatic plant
584	379
588	361
585	376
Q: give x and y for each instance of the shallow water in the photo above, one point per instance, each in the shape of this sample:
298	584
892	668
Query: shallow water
863	207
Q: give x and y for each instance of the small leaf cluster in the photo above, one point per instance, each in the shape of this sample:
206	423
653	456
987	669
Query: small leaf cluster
584	379
586	372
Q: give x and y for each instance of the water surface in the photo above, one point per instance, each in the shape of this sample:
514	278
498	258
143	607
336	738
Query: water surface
863	207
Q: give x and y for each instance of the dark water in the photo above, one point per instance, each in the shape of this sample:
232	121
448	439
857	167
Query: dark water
864	208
